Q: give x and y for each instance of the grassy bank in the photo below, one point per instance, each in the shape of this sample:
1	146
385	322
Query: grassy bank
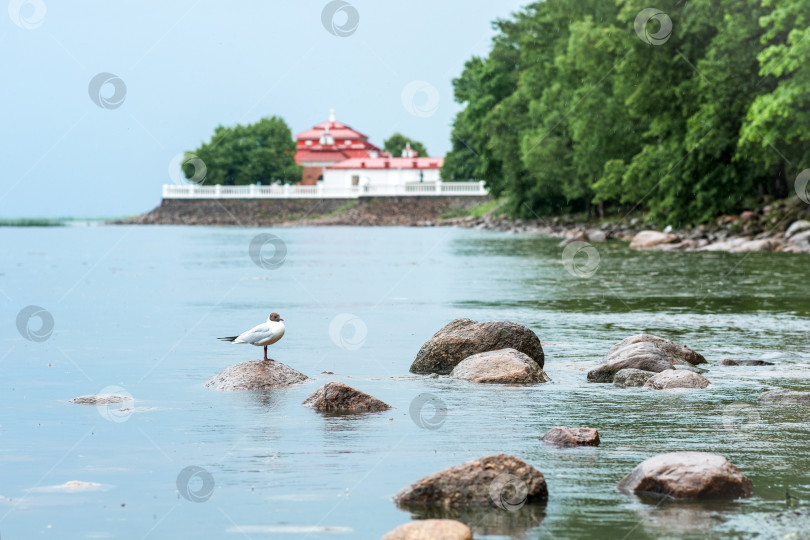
31	222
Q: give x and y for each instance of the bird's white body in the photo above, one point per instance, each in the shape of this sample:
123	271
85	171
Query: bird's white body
262	335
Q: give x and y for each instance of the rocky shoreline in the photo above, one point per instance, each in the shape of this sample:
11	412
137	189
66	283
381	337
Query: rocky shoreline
782	225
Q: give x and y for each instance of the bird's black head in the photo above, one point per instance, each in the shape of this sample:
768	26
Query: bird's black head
274	317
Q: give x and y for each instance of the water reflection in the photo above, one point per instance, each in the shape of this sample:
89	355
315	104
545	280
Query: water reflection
686	519
487	521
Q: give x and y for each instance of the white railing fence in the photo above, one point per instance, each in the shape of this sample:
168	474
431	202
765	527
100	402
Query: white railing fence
194	191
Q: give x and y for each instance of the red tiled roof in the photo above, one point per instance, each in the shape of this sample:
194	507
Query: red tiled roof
324	155
338	131
392	163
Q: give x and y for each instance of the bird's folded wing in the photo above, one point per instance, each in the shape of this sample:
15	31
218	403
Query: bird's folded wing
254	335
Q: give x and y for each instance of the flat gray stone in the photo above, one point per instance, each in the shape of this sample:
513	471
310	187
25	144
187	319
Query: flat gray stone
505	366
255	375
676	379
631	377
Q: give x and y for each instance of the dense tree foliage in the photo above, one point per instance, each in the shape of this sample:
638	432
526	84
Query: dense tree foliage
396	142
263	153
693	110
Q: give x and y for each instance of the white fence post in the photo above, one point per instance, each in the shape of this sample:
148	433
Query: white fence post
438	186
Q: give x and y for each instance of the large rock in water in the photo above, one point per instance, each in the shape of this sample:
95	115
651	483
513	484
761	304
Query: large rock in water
676	379
650	345
645	352
506	366
337	397
494	481
431	529
787	397
463	337
687	475
255	375
569	437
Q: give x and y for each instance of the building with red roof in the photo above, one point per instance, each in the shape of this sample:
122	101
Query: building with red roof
329	143
336	156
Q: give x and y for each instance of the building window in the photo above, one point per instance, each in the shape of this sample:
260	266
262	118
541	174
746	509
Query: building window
355	180
308	143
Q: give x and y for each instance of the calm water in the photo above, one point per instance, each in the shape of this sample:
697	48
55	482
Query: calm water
140	308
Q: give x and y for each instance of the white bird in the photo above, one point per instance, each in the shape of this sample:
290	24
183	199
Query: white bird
263	335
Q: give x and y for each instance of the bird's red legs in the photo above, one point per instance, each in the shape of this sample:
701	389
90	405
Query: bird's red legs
265	355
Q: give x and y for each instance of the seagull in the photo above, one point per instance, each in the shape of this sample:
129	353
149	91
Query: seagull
263	335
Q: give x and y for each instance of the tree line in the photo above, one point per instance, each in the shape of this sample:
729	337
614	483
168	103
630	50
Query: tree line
687	111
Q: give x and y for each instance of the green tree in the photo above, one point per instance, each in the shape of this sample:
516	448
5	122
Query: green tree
263	152
586	101
775	132
396	142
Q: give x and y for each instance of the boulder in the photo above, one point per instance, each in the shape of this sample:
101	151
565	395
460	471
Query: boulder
335	397
788	397
493	481
255	375
730	362
799	242
506	366
762	244
597	236
101	399
431	529
687	475
676	379
607	373
796	227
566	436
463	337
645	352
658	347
631	377
651	239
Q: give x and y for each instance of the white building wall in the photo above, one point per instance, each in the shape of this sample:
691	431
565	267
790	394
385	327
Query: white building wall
340	178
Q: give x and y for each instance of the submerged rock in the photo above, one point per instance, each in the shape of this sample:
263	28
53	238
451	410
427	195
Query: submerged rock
631	377
566	436
676	379
101	399
687	475
787	397
499	481
644	352
255	375
506	366
431	529
730	362
464	337
339	397
651	239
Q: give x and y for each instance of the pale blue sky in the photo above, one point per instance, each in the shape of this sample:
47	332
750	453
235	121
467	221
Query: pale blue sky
189	65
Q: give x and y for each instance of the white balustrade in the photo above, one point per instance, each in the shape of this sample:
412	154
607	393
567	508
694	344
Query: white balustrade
194	191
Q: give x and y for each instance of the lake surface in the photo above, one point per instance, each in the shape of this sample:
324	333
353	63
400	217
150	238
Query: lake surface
139	309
